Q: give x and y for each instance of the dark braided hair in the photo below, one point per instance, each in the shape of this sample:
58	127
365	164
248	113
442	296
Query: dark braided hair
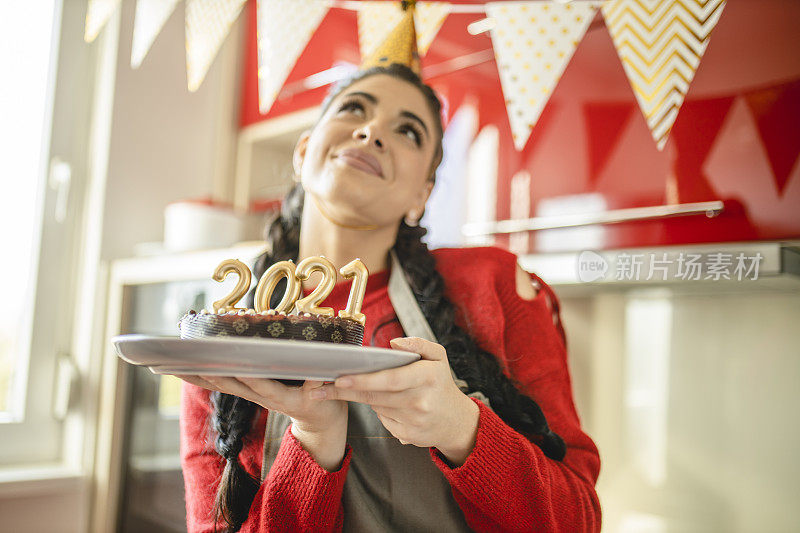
479	368
232	416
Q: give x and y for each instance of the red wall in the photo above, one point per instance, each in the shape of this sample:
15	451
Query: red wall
736	139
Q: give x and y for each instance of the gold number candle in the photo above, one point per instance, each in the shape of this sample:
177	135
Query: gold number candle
268	282
228	266
356	270
310	304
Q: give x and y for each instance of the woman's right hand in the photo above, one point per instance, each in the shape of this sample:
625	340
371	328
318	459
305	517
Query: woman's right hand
309	415
320	426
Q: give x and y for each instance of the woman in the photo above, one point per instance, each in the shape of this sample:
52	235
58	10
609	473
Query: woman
365	171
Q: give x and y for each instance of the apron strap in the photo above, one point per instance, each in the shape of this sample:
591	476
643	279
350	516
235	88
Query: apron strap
405	305
413	321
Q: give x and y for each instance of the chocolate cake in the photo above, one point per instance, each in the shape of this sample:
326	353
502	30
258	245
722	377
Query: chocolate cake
271	325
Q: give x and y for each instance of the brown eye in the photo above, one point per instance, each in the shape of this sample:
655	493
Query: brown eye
347	106
415	135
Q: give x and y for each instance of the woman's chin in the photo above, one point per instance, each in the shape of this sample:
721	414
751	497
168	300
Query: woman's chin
347	206
343	190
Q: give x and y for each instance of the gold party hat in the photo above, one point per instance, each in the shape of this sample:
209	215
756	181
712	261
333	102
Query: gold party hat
400	46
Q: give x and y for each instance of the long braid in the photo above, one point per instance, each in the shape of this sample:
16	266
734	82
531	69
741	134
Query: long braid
232	417
231	422
479	368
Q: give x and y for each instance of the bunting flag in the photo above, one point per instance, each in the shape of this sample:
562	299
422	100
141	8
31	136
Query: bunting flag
660	43
776	111
147	24
377	19
533	42
281	40
208	22
97	14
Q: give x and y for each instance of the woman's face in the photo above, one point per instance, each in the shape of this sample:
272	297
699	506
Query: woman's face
369	158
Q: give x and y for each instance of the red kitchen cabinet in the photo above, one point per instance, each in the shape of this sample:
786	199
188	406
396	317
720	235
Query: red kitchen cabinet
736	139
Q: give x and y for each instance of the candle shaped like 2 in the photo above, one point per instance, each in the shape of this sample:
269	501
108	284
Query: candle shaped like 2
310	304
228	266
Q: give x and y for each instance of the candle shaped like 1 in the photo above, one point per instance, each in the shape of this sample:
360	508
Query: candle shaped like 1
356	270
268	282
228	266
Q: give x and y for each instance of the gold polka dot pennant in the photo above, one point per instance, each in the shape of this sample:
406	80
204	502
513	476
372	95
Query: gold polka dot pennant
533	42
147	24
377	19
284	29
208	23
660	43
97	14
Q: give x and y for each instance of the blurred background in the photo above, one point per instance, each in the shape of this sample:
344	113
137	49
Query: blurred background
144	141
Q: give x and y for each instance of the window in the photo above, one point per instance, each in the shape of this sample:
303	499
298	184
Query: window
46	106
27	52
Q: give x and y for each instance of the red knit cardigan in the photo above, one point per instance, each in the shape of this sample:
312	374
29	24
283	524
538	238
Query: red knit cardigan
506	483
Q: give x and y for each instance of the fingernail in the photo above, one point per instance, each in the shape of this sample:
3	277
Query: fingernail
402	341
318	394
344	382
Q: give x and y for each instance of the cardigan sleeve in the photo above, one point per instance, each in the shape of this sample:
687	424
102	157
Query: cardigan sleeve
297	494
507	483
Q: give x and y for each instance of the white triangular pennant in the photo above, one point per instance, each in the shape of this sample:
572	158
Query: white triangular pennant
97	14
208	22
147	24
533	42
377	19
284	29
660	43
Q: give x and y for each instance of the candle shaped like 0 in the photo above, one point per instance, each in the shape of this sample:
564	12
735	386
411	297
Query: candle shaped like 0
356	270
268	282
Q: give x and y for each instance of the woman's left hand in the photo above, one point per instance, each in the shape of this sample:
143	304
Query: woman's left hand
418	403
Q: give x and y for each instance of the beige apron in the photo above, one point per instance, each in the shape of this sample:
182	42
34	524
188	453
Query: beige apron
389	486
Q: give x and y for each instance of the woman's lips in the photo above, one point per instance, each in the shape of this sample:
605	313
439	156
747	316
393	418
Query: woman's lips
359	164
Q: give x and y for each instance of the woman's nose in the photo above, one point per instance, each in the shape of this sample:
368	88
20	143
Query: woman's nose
369	133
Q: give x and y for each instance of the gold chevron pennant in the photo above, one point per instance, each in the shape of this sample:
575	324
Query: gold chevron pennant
147	24
660	43
97	14
284	29
208	22
377	19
